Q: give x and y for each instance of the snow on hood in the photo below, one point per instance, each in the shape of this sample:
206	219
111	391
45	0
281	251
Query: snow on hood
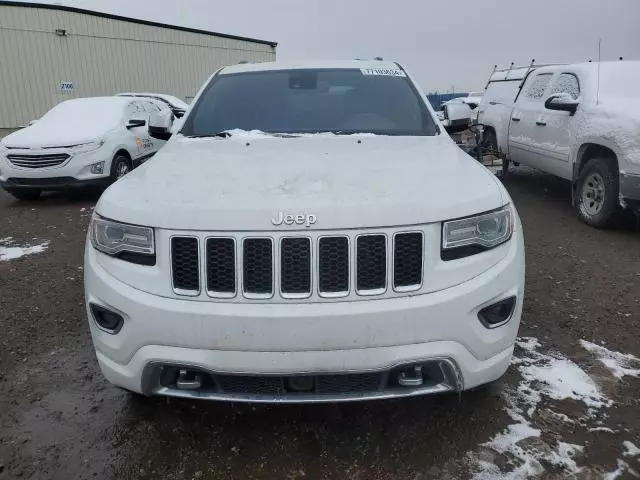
71	122
242	182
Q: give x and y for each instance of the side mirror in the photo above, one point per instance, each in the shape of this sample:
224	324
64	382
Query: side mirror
160	124
562	102
457	117
136	122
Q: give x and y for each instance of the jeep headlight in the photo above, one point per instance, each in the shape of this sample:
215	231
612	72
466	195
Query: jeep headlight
467	236
132	243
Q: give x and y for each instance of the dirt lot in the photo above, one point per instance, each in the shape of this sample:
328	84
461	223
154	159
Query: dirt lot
564	408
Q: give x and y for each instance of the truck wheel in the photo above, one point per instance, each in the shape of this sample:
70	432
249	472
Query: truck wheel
120	166
26	194
597	193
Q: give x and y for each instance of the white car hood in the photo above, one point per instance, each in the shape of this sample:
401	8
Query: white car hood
51	134
241	183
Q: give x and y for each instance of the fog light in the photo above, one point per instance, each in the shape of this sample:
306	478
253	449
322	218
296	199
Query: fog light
106	319
497	314
97	168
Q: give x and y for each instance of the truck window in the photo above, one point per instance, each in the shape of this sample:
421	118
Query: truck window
501	92
566	83
536	87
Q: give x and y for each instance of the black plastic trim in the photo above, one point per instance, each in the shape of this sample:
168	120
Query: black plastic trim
96	310
146	259
510	302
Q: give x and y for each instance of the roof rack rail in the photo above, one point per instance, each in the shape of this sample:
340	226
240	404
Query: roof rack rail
511	67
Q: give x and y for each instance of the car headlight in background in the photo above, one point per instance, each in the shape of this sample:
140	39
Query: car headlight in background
87	147
132	243
471	235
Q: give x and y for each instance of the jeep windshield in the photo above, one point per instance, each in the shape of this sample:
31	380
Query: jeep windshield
340	101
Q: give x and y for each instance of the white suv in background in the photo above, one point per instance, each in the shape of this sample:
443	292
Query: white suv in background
310	234
79	143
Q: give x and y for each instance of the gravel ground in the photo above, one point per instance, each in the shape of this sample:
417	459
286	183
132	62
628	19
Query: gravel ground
60	420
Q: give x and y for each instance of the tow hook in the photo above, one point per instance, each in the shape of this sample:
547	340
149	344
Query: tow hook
411	377
188	380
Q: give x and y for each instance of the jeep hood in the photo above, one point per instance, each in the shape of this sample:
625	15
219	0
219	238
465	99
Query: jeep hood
242	182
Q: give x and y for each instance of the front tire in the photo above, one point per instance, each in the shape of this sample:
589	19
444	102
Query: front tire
597	193
120	166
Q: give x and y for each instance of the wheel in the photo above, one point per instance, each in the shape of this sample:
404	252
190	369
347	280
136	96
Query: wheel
120	166
597	193
26	194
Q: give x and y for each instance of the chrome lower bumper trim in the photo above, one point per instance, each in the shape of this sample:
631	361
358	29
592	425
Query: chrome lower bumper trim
452	382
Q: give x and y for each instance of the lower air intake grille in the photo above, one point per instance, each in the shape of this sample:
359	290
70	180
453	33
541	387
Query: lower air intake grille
184	264
407	260
371	264
295	266
257	266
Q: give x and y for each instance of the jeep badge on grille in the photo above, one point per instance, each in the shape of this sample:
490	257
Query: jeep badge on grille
299	219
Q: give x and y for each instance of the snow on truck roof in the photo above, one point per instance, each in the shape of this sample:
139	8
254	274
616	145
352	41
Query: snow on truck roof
327	64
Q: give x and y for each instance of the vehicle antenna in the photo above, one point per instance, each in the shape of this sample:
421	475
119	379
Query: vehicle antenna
599	58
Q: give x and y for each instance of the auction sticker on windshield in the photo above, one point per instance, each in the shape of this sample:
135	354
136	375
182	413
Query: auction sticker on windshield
389	72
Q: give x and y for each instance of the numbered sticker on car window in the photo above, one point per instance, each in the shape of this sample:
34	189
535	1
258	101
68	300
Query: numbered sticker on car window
389	72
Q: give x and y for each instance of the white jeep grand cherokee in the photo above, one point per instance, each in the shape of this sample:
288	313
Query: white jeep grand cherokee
310	234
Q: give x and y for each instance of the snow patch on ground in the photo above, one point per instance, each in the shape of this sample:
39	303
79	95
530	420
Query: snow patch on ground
549	376
9	251
602	429
620	364
632	450
618	472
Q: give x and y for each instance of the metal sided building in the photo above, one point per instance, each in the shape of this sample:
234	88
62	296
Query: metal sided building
50	53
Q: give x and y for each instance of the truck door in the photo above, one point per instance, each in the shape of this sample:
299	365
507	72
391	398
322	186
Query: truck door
552	132
523	146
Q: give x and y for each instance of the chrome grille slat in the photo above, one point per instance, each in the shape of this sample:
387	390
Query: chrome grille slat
333	266
220	264
185	265
371	264
257	271
295	267
407	261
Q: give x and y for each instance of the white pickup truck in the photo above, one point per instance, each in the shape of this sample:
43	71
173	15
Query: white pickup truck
580	122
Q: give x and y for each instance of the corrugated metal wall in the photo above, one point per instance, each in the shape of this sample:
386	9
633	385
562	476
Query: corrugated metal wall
101	56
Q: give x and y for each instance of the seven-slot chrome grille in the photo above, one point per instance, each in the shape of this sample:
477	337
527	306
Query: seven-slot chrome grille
296	266
38	160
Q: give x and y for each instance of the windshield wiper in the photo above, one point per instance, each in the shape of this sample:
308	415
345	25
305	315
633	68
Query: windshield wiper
222	134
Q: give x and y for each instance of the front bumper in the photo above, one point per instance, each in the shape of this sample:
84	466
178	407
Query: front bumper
75	172
439	328
630	190
52	183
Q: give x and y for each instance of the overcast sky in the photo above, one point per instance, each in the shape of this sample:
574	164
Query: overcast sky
445	44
